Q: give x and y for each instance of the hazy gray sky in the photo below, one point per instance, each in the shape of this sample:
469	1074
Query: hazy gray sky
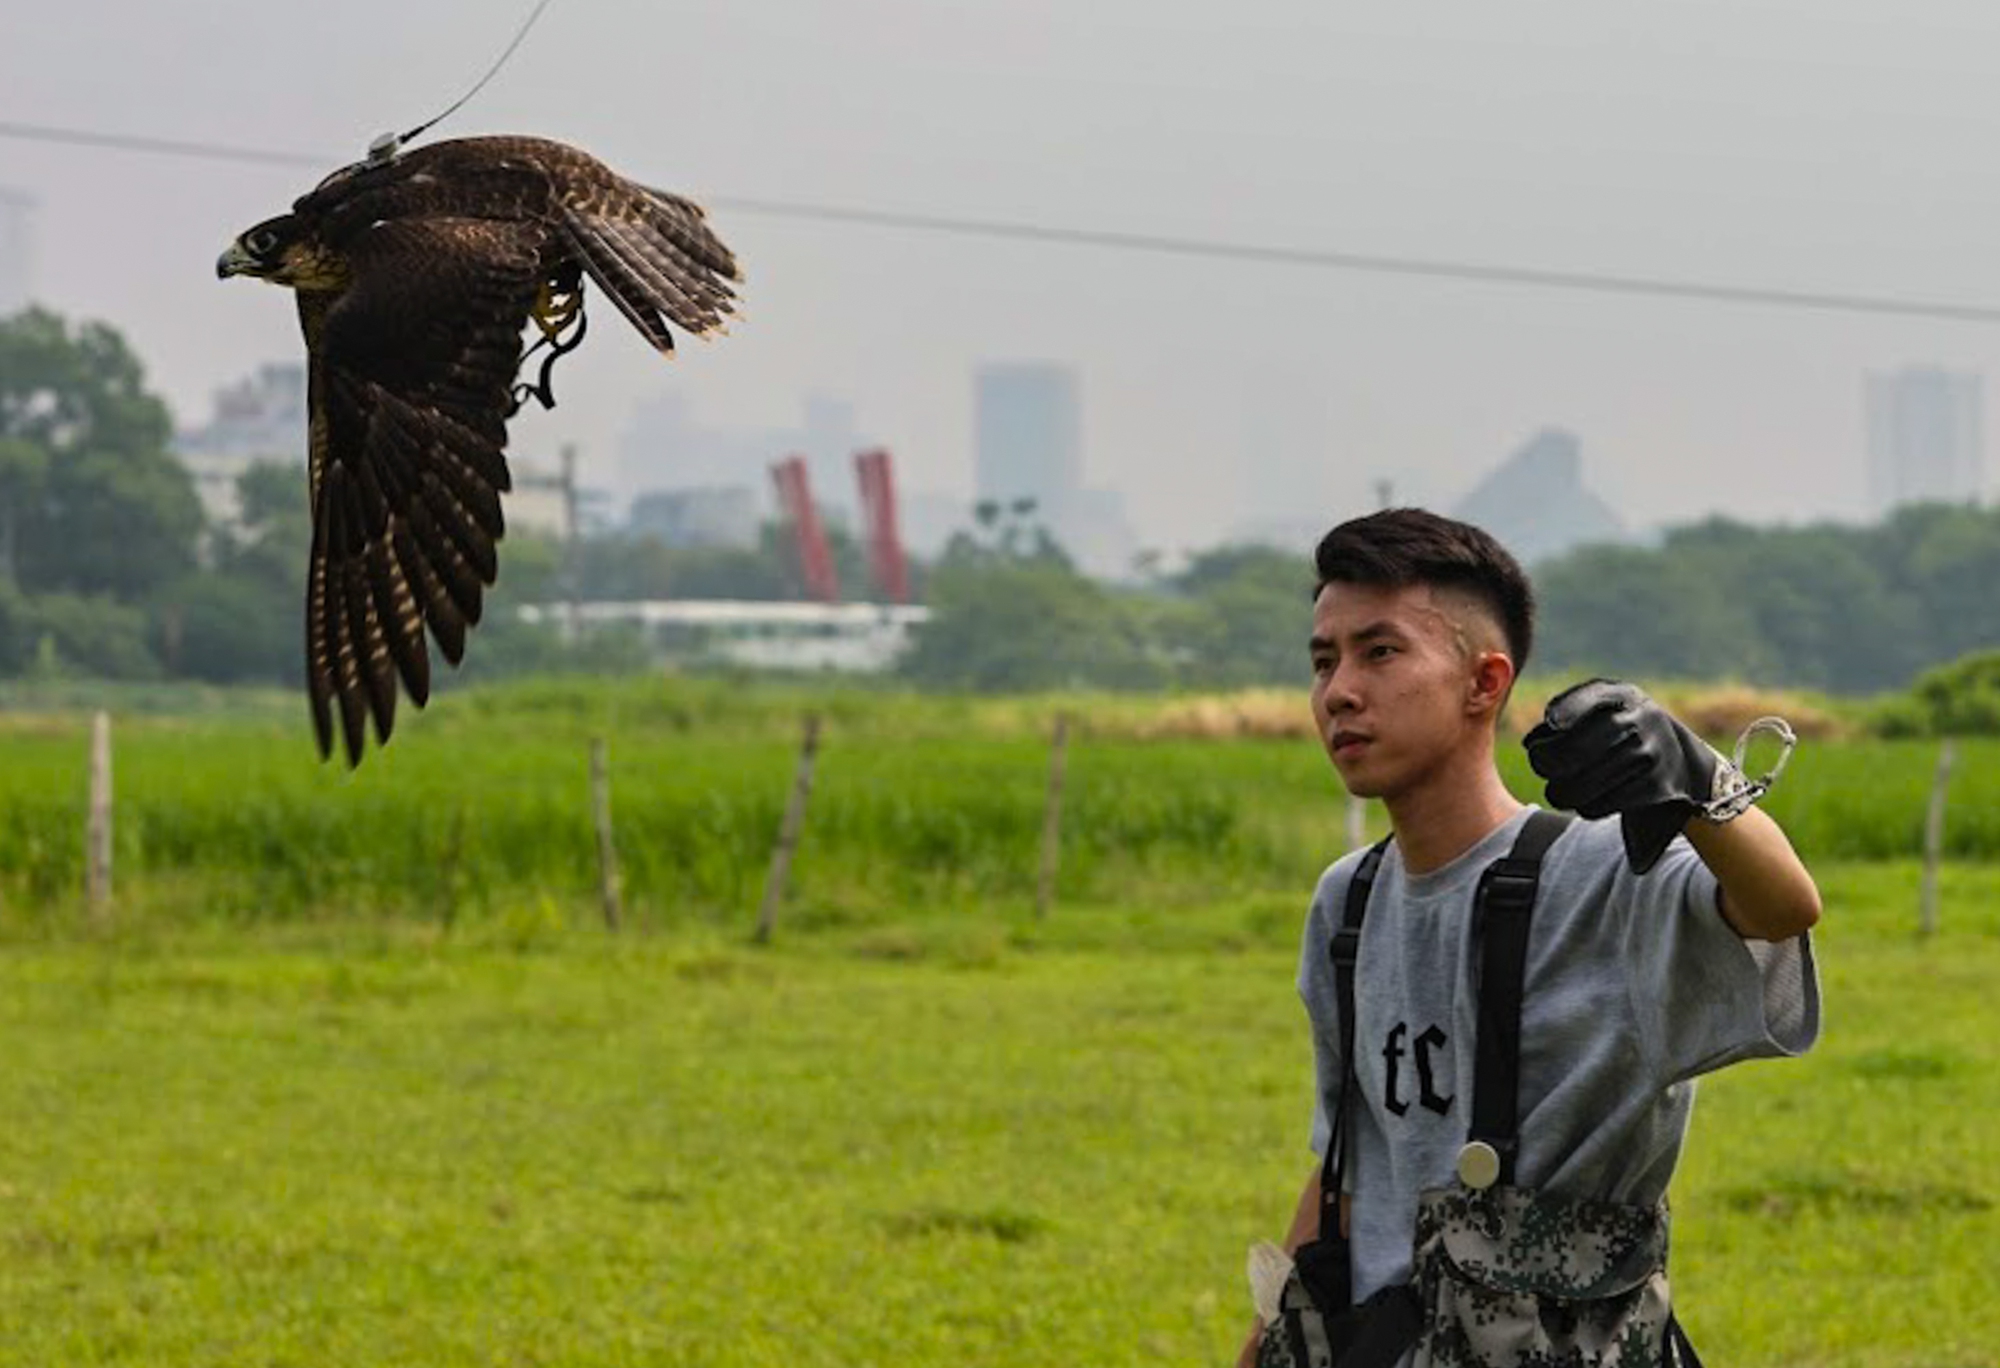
1832	145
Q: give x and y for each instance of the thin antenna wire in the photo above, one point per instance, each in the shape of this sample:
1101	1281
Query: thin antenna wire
491	72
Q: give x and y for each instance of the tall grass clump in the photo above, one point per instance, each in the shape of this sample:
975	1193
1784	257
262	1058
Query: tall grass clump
919	803
451	821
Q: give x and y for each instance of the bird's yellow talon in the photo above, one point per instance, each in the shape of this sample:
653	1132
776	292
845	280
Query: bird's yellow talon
553	313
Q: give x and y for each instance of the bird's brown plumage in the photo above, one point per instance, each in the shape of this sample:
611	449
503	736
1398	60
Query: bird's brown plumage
415	278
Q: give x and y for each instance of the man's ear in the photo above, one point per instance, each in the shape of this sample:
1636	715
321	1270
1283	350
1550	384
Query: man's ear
1491	679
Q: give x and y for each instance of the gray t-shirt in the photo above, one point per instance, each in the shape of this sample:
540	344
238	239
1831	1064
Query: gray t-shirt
1634	986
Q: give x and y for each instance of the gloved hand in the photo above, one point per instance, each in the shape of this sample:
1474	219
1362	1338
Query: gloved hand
1605	747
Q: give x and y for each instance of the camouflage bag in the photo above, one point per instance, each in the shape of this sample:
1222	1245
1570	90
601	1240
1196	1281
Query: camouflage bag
1503	1278
1510	1278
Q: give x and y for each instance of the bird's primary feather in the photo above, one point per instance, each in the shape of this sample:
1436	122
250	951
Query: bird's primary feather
415	279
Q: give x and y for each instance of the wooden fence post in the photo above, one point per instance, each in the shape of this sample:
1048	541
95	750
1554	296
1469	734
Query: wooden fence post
97	833
1045	886
788	832
1927	901
607	851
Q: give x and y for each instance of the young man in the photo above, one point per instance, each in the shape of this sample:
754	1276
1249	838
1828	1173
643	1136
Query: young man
1634	982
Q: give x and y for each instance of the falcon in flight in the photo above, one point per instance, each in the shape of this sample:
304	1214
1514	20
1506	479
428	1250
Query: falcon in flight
417	274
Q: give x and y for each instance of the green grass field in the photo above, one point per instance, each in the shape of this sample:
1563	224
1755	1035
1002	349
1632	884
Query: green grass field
942	1139
350	1075
479	810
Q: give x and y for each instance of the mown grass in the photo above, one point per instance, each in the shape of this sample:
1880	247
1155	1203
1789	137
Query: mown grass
1846	1208
479	810
939	1139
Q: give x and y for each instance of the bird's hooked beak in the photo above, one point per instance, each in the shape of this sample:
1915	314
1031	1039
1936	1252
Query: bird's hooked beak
235	261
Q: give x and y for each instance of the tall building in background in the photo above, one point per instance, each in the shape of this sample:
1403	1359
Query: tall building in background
1028	444
1028	433
1926	440
1536	503
17	250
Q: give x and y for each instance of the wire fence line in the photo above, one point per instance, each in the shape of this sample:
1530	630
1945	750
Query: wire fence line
728	824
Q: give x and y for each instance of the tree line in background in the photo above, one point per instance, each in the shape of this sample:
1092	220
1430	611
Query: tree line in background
107	569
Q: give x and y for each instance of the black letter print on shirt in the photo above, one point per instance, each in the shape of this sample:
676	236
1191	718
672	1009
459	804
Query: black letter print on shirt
1431	1042
1392	1052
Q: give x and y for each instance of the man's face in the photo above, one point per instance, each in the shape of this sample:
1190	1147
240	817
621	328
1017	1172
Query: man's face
1399	676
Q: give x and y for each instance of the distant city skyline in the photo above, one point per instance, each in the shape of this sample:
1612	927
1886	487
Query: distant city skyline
1726	141
1923	425
1723	141
1924	440
700	483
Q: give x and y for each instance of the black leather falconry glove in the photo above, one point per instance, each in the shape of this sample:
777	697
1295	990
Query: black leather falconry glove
1606	748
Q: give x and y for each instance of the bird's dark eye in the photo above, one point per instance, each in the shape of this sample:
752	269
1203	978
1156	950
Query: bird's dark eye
261	241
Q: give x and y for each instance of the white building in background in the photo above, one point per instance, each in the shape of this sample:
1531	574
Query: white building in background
539	503
708	516
261	417
17	250
856	638
1926	439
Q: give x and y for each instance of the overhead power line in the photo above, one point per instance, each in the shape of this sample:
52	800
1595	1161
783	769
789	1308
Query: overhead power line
1381	265
1156	244
172	147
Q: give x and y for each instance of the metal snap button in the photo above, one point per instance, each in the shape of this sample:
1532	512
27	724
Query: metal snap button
1478	1165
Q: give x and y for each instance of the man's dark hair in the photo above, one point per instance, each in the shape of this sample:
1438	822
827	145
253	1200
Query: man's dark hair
1404	546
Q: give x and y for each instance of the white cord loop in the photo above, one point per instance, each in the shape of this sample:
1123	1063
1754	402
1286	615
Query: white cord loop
1734	791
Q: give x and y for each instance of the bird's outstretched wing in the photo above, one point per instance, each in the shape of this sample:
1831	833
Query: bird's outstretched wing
411	370
652	252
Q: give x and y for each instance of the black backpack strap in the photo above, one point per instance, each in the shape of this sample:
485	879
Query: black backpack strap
1678	1353
1345	950
1503	908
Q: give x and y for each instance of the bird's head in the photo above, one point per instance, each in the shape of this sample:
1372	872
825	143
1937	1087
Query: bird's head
283	251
